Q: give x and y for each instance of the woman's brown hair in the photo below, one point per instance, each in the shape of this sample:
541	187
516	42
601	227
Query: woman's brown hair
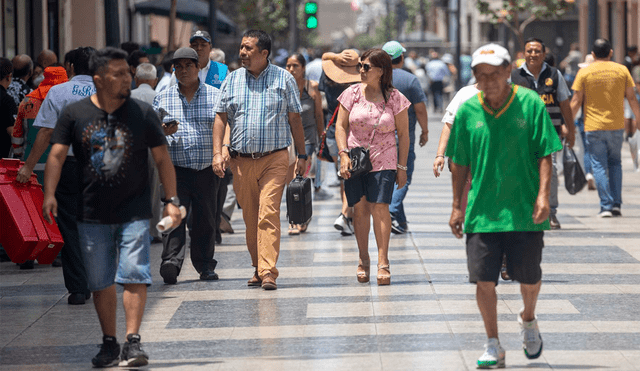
380	58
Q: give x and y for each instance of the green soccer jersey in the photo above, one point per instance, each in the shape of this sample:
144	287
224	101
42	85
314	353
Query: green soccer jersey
501	148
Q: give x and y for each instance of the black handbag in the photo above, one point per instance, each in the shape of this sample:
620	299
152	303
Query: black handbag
574	179
323	152
360	160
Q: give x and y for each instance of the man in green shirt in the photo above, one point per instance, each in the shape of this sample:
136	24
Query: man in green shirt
505	138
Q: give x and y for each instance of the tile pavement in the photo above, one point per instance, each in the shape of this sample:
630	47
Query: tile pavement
320	318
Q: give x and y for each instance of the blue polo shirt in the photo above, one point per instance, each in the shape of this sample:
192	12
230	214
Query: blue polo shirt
60	96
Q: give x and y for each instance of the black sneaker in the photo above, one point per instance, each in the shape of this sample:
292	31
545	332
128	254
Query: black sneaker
397	228
169	273
132	353
616	211
109	353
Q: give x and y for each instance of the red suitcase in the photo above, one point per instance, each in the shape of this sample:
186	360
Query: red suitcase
24	234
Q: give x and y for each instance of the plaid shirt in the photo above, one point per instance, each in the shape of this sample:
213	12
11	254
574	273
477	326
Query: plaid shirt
192	145
258	108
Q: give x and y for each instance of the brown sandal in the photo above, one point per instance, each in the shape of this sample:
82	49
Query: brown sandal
384	275
362	274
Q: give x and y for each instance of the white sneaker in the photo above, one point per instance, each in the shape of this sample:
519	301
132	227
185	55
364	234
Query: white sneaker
605	214
493	356
343	224
531	341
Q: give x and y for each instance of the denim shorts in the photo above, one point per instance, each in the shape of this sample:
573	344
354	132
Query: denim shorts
377	186
115	253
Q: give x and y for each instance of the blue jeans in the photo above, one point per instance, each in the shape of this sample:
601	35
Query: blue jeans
605	148
396	209
586	158
115	253
309	150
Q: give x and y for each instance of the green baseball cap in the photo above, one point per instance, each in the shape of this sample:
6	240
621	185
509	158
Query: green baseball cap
394	49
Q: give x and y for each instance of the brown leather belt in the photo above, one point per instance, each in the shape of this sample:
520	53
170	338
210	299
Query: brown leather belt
257	155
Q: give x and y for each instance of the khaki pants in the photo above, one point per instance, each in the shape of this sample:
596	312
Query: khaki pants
259	185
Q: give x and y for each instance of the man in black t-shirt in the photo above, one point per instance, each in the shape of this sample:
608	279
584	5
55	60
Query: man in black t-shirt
111	135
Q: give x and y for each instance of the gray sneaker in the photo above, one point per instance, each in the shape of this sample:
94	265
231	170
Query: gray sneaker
532	341
493	356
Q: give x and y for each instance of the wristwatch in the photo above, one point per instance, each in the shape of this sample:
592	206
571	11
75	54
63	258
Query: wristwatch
303	157
173	200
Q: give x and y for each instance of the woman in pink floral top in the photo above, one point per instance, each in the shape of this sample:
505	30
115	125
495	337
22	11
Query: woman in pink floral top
371	114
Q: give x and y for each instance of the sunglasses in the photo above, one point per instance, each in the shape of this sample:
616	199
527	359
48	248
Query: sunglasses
367	67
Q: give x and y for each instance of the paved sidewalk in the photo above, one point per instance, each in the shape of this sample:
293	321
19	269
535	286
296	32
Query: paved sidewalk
320	318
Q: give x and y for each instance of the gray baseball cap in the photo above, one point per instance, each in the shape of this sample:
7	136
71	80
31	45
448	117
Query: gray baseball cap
185	53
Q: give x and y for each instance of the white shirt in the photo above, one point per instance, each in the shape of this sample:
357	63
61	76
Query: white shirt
164	82
461	96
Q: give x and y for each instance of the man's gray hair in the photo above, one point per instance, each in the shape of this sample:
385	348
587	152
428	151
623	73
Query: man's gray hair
217	55
146	71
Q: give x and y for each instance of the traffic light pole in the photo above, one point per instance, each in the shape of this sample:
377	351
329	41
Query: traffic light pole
213	22
293	26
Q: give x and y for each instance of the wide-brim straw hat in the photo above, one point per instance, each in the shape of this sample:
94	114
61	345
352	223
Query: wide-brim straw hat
345	73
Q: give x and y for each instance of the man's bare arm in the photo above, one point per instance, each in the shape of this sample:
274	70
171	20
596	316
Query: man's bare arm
52	172
459	176
565	108
423	121
576	102
39	146
541	207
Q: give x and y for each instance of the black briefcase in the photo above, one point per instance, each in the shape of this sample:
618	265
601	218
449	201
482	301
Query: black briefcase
299	208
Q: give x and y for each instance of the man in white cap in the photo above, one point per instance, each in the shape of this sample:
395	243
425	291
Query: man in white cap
505	138
407	83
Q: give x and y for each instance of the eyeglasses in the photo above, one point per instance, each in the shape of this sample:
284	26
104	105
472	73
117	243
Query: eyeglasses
366	66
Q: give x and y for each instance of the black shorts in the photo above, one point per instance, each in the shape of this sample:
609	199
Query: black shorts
523	251
377	186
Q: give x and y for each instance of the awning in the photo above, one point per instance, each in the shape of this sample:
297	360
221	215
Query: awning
188	10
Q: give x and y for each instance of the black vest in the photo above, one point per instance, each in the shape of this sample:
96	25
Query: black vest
547	89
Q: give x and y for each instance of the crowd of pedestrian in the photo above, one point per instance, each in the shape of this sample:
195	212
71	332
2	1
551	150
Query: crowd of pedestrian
119	143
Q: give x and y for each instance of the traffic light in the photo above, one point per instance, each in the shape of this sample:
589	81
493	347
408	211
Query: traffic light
311	12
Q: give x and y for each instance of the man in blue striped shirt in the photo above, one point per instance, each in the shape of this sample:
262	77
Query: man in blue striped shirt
187	111
261	105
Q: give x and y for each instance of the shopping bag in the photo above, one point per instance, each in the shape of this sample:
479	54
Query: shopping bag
574	179
635	149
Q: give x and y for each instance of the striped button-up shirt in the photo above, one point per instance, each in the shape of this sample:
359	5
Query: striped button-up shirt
192	145
257	108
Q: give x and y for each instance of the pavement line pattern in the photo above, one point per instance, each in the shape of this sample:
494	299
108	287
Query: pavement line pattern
320	318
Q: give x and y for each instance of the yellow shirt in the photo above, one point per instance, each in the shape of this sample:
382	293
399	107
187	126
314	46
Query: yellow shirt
604	84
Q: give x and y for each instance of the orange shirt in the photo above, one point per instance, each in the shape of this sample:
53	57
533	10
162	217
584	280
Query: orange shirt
604	84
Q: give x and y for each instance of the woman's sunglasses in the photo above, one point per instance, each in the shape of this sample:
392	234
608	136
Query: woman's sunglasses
367	67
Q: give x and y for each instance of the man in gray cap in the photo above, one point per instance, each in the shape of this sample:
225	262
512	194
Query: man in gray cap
409	86
187	111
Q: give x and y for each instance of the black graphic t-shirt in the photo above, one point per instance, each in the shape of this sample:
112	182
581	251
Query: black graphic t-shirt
112	153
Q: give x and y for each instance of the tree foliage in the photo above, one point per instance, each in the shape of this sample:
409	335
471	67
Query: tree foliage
271	16
518	14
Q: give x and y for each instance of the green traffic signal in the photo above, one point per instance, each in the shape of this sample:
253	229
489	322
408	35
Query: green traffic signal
311	8
312	22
